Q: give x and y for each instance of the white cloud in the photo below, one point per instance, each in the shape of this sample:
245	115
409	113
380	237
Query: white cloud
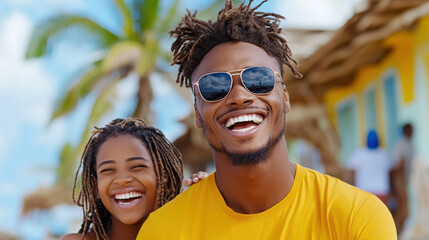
15	33
26	90
316	14
8	189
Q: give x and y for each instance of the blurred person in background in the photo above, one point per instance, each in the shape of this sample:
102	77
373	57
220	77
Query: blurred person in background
371	167
403	156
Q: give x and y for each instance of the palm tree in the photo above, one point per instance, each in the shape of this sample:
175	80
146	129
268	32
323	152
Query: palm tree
137	49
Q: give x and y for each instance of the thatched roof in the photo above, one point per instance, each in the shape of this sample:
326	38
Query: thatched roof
45	198
310	122
7	236
358	43
304	42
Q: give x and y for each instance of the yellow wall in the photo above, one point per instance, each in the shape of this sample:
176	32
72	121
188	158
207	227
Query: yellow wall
400	60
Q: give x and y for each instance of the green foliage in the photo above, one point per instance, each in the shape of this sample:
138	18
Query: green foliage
53	27
149	11
80	90
66	165
128	28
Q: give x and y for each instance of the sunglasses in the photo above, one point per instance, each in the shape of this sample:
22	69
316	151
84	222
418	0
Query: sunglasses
216	86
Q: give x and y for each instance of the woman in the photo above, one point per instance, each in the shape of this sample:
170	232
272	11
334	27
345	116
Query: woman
129	170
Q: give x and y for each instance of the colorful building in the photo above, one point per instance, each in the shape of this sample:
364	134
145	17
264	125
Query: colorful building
374	74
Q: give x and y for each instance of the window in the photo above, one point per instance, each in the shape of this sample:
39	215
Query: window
391	107
347	123
370	110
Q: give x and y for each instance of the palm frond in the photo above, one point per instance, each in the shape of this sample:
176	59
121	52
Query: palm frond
65	172
102	105
128	28
81	89
69	154
172	13
123	57
124	53
54	26
148	13
138	57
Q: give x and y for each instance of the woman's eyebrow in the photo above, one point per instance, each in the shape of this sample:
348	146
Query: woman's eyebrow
136	158
105	162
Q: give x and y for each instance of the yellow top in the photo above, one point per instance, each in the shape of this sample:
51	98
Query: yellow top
317	207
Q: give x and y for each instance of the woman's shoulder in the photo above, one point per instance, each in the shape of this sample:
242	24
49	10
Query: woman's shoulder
78	236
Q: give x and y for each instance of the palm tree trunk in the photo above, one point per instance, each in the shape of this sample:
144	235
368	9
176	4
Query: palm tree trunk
144	98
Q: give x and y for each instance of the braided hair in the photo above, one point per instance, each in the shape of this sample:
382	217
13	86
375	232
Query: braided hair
166	159
195	38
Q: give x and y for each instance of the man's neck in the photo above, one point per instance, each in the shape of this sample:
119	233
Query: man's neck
255	188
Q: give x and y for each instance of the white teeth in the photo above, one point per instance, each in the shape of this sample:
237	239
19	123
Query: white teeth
243	129
129	195
244	118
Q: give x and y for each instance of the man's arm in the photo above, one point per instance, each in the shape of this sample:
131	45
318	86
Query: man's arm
373	221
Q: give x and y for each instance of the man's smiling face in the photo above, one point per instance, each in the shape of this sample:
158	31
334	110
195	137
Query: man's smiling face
243	125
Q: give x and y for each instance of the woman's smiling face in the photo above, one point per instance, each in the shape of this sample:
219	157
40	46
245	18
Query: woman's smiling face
126	179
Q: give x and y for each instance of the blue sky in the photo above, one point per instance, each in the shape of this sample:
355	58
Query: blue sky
29	146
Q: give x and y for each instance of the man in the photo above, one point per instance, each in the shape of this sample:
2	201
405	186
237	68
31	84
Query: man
403	160
234	66
370	168
404	152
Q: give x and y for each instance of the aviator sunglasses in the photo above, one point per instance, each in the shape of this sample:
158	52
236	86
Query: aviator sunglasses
216	86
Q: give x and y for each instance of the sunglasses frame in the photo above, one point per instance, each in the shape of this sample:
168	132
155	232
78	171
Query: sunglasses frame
241	70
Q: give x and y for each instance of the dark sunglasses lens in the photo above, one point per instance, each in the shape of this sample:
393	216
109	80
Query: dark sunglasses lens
259	80
215	86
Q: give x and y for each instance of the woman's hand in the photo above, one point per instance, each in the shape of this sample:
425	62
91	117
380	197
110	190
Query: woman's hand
196	177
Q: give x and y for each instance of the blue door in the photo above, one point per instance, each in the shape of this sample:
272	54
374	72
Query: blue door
348	128
391	107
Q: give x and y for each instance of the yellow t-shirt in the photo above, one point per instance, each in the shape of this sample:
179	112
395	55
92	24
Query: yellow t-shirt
317	207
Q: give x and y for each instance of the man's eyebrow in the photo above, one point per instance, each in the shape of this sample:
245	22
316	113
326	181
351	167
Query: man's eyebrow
136	158
106	162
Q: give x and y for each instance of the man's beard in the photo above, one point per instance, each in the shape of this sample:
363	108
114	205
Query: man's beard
254	157
248	158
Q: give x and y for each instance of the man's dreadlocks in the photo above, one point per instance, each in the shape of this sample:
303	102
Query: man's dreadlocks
195	38
166	159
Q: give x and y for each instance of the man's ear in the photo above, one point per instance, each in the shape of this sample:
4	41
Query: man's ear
197	117
286	96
